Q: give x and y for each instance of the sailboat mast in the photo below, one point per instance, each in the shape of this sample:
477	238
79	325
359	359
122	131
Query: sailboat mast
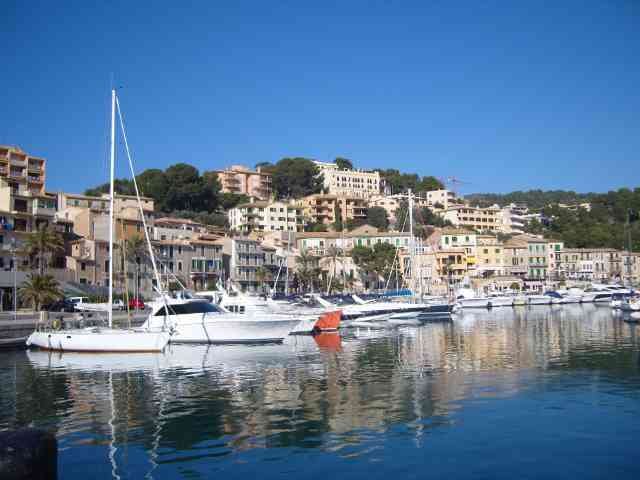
411	246
111	194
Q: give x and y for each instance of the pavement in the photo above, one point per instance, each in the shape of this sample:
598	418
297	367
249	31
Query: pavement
25	322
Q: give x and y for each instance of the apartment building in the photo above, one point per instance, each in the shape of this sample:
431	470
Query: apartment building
594	264
196	262
241	180
516	257
320	243
440	199
325	208
170	228
390	203
554	250
630	263
475	218
20	168
243	257
489	256
512	218
460	238
350	183
267	217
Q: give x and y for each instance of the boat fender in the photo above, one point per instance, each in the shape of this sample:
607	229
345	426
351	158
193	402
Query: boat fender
56	324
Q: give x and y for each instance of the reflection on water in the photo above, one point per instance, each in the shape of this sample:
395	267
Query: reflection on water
393	398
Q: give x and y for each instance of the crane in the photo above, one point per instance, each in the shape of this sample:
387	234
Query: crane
452	181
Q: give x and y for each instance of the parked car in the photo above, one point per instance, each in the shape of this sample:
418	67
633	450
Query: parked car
62	305
118	305
136	304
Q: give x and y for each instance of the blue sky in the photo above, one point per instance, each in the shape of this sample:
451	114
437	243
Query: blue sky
504	95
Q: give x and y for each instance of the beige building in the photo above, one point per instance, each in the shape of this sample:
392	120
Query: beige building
390	203
516	257
20	168
597	264
170	228
241	180
440	199
479	219
350	183
489	256
325	209
267	216
319	243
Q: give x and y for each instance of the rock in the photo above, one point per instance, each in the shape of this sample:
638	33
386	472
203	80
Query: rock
28	454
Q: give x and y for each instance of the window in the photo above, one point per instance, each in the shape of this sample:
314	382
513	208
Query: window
106	265
83	266
179	266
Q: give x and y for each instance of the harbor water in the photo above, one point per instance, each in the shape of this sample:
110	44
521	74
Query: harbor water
528	392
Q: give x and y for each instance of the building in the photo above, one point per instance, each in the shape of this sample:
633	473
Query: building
390	203
475	218
516	257
197	262
592	264
20	168
243	181
350	183
489	257
512	218
267	217
320	243
169	228
554	250
630	268
460	238
440	199
252	267
326	209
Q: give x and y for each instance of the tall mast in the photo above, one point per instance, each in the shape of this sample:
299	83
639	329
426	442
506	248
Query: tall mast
411	246
111	178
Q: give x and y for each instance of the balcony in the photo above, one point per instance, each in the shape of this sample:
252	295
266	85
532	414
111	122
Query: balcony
34	179
18	162
34	167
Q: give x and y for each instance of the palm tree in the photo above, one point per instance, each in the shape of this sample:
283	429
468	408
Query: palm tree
39	290
263	275
40	244
135	251
332	254
306	268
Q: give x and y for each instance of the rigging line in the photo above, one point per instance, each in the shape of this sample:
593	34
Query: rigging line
135	185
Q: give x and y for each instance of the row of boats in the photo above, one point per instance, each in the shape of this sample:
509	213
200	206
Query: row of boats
222	317
615	295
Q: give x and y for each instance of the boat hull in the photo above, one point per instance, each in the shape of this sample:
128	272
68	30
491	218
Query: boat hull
474	302
227	328
103	340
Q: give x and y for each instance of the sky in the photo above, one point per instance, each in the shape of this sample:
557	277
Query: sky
502	95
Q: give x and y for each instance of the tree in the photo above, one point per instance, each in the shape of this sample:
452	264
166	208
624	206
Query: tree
229	200
378	260
377	217
295	178
38	290
429	183
266	167
307	269
353	223
263	275
343	163
153	183
135	249
40	245
337	225
315	227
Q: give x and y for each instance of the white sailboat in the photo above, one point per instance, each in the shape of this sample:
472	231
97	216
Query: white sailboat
99	339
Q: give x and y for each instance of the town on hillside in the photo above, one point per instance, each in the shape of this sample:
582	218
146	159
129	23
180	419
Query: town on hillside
335	229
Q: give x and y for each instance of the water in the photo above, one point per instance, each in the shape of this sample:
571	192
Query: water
543	392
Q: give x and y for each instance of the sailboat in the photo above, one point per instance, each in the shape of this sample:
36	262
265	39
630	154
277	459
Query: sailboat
102	339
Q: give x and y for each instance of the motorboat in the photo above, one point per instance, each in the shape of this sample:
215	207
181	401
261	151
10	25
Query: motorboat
556	297
467	298
601	293
310	320
534	299
199	321
499	300
630	304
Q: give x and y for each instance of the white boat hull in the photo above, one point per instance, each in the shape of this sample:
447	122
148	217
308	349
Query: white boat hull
501	301
539	300
474	302
99	340
226	328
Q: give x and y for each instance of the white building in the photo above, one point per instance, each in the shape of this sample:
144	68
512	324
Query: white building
440	199
267	216
354	183
475	218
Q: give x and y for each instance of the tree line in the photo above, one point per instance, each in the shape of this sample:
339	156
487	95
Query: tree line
610	223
